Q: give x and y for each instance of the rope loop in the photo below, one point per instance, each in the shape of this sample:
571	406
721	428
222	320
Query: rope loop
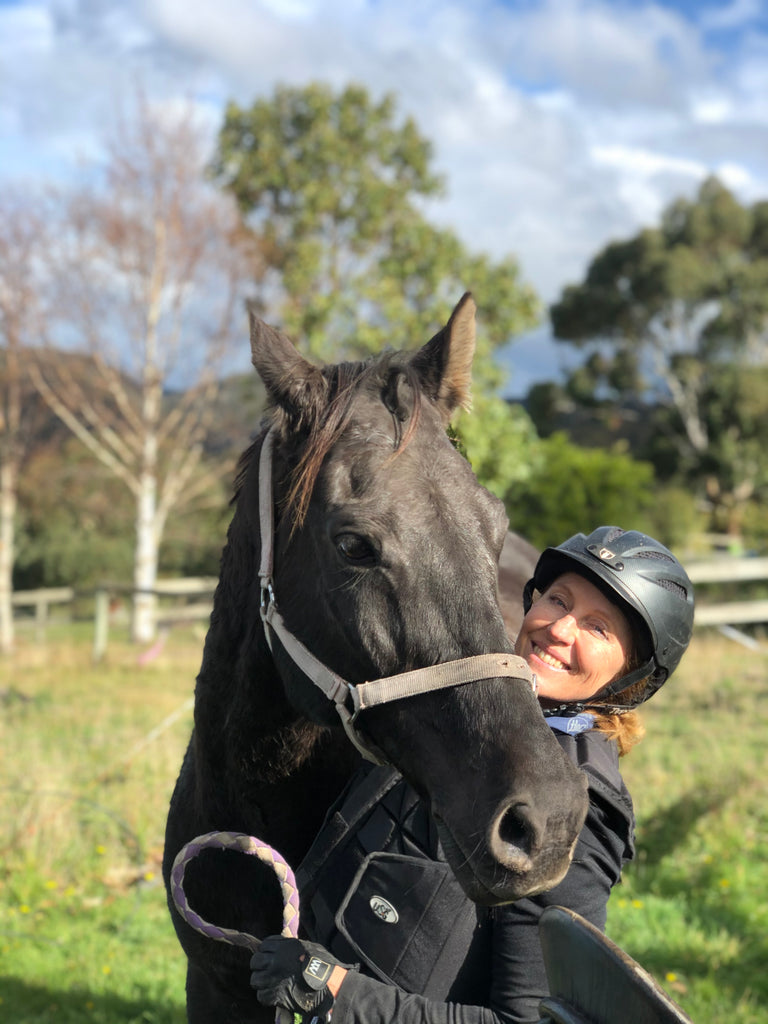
244	844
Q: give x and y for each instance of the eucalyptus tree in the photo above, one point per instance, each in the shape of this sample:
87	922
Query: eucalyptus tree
334	188
680	312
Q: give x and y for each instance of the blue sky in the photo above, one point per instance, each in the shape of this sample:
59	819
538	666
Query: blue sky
558	125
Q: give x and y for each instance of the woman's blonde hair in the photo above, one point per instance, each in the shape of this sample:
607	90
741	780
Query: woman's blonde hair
626	727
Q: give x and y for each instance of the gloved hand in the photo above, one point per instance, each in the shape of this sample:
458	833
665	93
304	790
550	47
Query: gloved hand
295	974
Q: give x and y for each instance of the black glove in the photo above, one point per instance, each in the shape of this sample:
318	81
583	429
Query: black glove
294	974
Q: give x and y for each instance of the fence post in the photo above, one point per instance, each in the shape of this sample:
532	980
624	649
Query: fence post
41	620
100	624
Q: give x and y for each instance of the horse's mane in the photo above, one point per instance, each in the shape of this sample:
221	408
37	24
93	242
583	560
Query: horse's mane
343	382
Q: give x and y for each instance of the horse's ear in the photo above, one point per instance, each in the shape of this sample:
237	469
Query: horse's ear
292	382
444	364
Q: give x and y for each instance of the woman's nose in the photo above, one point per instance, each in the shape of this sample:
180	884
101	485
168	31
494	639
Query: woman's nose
563	628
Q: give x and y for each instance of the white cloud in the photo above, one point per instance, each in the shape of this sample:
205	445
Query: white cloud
712	108
24	31
644	163
558	125
732	15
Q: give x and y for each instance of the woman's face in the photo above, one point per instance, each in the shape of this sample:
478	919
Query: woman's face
575	639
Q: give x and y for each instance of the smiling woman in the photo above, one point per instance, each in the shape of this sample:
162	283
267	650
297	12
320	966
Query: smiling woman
607	620
573	637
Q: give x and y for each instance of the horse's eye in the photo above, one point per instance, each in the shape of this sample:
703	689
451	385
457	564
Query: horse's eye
356	549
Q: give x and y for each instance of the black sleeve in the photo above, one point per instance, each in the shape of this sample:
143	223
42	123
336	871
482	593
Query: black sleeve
518	976
363	1000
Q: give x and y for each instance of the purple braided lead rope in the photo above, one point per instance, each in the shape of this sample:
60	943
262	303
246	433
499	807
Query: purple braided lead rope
245	844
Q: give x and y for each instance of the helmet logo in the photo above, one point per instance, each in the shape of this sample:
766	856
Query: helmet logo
605	555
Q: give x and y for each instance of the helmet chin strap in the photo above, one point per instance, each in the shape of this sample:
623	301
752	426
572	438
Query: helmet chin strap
624	683
597	701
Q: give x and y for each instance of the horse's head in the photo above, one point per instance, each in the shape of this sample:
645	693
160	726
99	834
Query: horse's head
386	556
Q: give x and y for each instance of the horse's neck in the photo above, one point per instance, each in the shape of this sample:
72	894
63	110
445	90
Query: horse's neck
260	766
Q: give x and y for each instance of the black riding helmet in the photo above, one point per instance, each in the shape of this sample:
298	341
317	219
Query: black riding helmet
653	589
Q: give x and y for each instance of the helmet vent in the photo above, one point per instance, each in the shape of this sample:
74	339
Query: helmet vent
656	555
674	588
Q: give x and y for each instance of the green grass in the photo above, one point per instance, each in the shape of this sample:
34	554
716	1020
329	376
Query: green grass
692	907
86	775
85	781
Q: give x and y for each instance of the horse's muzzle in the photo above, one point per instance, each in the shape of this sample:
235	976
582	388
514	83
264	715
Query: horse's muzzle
523	853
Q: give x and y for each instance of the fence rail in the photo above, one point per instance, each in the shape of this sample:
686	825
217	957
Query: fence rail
716	570
729	570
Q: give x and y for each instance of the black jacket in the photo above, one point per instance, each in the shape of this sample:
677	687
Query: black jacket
376	890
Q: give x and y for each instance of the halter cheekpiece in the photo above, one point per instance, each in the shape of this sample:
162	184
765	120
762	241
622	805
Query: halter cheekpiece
350	699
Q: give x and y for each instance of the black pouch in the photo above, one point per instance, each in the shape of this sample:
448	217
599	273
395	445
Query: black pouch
409	921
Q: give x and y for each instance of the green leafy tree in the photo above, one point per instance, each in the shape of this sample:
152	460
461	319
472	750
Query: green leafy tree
76	523
572	489
325	183
332	187
685	304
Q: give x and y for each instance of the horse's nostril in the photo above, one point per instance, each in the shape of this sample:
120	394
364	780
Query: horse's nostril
514	827
513	838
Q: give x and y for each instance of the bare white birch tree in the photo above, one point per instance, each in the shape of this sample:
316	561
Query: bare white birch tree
22	239
150	266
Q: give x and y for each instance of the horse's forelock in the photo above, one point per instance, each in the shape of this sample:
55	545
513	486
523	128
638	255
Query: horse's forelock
324	430
346	380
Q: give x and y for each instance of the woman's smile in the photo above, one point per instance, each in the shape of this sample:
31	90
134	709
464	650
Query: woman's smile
575	639
549	659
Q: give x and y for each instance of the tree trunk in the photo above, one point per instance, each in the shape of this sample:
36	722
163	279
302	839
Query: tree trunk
145	562
7	540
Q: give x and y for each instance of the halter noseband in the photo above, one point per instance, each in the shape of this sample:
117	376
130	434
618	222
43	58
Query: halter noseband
350	699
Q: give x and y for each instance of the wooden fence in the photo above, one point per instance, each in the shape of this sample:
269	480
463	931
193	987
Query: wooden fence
730	570
41	601
181	591
185	610
192	599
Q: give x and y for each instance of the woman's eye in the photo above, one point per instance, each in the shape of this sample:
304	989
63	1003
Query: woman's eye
356	549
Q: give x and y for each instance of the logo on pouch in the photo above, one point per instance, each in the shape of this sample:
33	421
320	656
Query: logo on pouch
383	909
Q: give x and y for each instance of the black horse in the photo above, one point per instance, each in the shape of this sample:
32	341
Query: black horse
385	561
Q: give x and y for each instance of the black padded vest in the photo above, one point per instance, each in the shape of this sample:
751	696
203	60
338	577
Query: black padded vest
376	889
403	917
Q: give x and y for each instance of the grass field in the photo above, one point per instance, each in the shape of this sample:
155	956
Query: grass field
89	755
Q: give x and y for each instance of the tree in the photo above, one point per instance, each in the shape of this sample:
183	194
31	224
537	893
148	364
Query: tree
686	303
76	523
23	237
150	265
574	489
325	182
332	188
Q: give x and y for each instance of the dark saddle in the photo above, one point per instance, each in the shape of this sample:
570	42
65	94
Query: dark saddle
592	981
